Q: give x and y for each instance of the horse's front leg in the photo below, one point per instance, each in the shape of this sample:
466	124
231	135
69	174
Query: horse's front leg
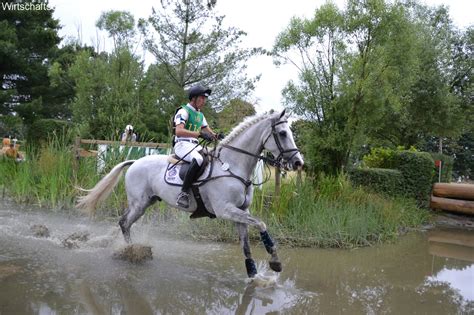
243	216
244	242
267	241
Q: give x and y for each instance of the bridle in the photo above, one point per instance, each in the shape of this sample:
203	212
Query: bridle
276	162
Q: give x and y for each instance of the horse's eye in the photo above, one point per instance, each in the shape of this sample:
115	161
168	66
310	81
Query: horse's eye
282	133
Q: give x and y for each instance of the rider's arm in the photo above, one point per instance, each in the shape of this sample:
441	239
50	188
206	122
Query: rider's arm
182	132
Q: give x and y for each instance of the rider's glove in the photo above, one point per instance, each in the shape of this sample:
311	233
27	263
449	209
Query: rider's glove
220	136
206	136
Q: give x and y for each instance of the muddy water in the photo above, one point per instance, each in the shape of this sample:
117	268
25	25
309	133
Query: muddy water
422	273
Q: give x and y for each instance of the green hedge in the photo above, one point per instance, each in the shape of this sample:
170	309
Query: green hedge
381	180
417	169
446	168
411	176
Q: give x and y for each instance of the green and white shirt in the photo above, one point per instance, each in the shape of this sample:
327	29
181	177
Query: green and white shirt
192	119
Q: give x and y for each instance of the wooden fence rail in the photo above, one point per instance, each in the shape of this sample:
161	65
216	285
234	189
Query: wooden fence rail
80	152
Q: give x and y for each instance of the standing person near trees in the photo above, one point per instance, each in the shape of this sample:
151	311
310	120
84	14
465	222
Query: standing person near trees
128	134
190	125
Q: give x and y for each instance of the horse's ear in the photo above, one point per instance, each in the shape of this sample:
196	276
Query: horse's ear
282	113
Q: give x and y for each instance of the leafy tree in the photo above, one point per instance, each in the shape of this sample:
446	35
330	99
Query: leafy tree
158	103
107	92
113	90
374	73
119	24
107	86
28	40
233	114
433	109
193	46
315	46
63	87
348	72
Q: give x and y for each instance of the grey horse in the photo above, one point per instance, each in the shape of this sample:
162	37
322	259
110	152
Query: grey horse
225	187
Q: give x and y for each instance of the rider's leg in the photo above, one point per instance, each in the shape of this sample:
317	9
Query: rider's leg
183	198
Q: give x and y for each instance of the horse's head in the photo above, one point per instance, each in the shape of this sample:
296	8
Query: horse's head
281	144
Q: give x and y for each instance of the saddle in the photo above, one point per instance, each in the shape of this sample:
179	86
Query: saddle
201	210
184	165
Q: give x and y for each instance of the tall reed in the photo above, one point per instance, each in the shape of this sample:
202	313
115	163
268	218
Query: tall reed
50	176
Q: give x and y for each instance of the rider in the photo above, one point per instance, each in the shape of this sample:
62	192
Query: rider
190	124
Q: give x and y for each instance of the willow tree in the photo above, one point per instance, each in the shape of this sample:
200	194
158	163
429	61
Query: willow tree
191	45
316	48
369	74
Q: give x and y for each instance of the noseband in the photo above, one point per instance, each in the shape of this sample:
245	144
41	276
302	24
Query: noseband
276	162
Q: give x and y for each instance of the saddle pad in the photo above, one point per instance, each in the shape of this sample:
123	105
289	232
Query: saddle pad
172	175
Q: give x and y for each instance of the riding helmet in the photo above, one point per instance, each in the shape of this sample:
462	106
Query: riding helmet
198	90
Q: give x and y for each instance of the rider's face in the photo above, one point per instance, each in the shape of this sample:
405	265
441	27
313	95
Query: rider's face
201	101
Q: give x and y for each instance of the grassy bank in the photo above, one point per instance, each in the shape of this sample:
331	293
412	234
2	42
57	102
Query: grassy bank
327	212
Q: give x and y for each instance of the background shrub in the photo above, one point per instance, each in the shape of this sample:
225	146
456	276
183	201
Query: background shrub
417	169
379	158
384	157
399	172
385	181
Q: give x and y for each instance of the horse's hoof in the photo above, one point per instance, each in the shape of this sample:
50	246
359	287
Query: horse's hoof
276	266
251	268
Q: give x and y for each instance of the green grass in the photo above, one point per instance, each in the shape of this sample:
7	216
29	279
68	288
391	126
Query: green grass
327	212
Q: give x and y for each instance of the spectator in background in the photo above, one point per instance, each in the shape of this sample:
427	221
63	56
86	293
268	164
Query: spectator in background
6	141
128	135
13	153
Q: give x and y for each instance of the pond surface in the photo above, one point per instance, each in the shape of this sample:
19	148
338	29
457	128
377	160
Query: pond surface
422	273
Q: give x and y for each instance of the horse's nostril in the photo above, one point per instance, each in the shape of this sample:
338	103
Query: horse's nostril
297	164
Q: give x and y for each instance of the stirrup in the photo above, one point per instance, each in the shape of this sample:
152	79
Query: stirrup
183	200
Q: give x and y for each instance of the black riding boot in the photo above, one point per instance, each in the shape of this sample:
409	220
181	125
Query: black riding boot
183	198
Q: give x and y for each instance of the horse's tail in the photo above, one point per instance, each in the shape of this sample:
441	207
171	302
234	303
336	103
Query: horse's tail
102	189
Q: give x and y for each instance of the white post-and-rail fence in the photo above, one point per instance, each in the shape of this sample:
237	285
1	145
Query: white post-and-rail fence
126	150
131	150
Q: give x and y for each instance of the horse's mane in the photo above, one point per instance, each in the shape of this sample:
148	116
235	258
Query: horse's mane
249	121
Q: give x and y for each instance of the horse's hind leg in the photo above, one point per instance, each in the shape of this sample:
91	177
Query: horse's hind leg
136	208
244	242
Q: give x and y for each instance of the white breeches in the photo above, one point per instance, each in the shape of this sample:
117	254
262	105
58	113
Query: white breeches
188	151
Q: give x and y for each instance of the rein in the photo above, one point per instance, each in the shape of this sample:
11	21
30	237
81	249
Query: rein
271	161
